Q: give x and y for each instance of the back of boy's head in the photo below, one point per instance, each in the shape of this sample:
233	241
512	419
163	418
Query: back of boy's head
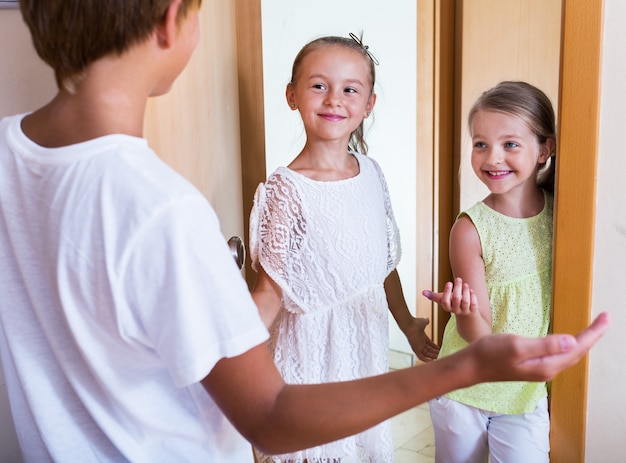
69	35
532	105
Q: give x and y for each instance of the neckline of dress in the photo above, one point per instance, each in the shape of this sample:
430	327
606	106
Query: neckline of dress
312	180
537	216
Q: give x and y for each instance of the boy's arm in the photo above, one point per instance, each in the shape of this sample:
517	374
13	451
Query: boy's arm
412	327
266	295
278	418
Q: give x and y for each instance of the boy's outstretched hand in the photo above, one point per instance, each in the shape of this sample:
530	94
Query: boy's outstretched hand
506	357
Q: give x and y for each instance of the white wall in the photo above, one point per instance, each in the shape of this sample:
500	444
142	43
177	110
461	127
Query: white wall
606	413
390	30
25	81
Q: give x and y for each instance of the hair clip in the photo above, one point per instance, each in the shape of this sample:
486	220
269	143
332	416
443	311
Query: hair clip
364	47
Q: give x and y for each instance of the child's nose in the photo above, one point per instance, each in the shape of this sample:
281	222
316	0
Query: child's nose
495	156
333	98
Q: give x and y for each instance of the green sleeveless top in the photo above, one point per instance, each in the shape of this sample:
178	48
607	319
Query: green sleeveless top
518	267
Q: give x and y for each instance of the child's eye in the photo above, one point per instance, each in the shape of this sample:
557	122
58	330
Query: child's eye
319	86
480	144
511	144
350	90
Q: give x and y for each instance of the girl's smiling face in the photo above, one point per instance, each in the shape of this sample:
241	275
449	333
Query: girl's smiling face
505	152
333	92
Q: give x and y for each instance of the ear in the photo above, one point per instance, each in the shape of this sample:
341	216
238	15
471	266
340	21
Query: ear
290	94
167	29
370	105
546	150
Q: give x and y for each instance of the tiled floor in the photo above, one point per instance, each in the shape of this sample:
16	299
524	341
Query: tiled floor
413	437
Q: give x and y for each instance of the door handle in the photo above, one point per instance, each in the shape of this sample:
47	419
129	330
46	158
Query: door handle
238	250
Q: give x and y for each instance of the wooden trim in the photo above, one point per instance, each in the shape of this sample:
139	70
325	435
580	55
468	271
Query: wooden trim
251	109
202	144
424	183
575	214
445	62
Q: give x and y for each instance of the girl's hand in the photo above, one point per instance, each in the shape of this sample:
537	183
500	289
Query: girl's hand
457	298
425	349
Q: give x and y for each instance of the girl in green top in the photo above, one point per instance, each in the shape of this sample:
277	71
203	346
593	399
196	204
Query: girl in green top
502	249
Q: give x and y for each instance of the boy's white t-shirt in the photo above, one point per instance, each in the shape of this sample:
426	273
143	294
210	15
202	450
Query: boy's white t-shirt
118	295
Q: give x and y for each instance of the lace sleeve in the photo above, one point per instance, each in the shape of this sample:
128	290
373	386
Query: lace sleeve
257	208
394	249
277	233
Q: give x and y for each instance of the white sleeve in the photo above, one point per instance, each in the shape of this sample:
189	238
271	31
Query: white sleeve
394	248
188	299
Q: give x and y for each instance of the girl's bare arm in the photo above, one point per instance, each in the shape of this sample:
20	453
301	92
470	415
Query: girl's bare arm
473	320
266	295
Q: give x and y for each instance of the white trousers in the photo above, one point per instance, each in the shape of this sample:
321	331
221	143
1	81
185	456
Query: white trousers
465	434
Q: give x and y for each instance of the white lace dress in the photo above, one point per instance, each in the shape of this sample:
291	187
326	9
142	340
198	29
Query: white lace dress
329	246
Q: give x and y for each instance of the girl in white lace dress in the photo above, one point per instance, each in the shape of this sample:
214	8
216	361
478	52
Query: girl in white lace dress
325	244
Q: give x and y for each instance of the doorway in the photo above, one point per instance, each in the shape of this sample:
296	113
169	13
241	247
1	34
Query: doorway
439	116
390	34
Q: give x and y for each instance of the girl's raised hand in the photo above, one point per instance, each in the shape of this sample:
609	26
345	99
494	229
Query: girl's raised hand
457	298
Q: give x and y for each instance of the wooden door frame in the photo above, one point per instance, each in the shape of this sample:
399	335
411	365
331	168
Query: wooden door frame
574	220
251	110
437	120
437	115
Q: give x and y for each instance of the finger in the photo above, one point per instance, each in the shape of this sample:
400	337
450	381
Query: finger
473	301
427	357
446	297
564	343
435	297
438	297
431	352
589	336
423	357
430	348
457	293
466	298
556	352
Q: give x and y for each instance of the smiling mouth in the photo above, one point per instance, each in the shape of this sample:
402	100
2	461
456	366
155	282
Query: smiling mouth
332	117
498	173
